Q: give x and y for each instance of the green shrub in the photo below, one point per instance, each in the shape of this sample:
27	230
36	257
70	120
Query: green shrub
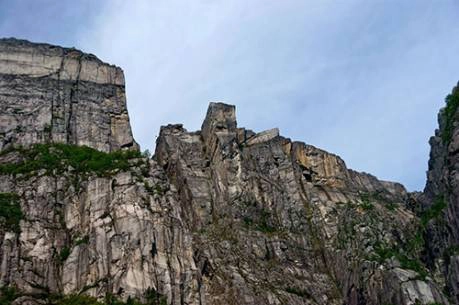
298	292
260	222
434	211
416	243
366	203
263	224
58	157
152	297
384	252
7	295
406	262
452	103
10	212
391	206
75	300
64	253
247	221
265	227
412	264
156	189
82	241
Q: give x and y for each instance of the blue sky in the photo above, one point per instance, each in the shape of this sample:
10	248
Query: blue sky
362	79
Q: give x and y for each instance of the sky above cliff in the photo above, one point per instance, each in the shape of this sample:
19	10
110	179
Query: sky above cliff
362	79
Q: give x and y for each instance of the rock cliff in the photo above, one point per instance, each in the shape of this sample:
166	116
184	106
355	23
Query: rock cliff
441	196
223	215
62	95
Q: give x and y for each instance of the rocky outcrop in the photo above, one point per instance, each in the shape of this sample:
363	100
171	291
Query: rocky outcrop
291	220
441	195
54	94
223	215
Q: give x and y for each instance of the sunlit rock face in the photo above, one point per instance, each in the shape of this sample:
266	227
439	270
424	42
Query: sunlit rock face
223	215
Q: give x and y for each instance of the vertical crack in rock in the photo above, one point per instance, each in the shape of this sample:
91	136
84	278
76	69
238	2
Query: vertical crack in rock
223	215
71	125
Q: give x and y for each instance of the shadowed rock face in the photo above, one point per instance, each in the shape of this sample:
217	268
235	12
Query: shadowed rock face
54	94
223	215
442	191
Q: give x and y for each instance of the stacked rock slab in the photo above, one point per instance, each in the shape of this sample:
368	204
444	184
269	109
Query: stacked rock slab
223	215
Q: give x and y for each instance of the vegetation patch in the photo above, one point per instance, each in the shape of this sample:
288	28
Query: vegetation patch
64	253
407	253
59	157
10	212
434	211
82	241
391	206
450	251
368	199
299	292
366	204
263	224
9	294
383	252
416	243
155	189
452	103
152	297
260	223
74	300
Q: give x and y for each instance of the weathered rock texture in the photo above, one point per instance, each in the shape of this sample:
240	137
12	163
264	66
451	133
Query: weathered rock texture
442	192
49	93
223	215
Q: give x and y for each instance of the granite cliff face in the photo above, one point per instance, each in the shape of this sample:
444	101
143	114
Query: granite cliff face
60	95
441	195
223	215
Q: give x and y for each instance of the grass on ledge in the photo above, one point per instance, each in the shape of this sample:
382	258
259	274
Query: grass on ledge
434	211
8	294
59	157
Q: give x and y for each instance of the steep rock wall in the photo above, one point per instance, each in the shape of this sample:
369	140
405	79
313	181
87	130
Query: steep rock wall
442	195
54	94
223	215
281	222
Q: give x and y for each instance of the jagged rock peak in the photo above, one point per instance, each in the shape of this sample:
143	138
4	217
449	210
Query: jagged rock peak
54	94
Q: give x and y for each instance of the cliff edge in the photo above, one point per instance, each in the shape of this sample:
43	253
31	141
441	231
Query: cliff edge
54	94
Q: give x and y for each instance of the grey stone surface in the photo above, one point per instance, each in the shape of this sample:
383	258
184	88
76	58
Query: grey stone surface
442	187
54	94
223	215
